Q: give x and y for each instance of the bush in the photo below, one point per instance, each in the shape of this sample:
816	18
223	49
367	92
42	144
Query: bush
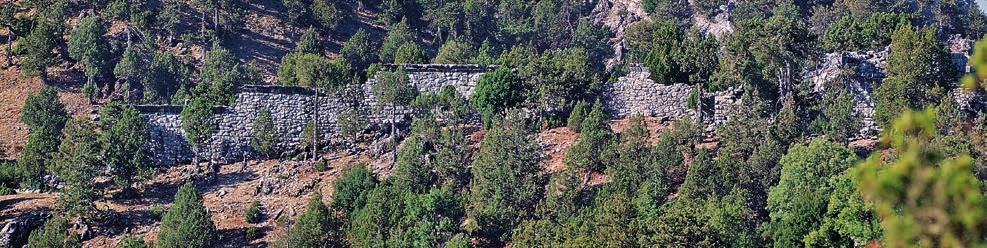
497	91
454	52
410	53
576	116
158	210
265	135
131	242
251	232
317	227
54	234
351	189
187	223
253	214
321	166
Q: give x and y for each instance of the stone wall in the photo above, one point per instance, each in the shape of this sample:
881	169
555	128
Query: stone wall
290	110
636	94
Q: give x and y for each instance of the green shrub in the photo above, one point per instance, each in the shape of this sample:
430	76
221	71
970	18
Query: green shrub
187	223
351	189
497	91
131	241
454	52
321	166
317	227
158	210
251	232
54	234
410	53
577	115
253	214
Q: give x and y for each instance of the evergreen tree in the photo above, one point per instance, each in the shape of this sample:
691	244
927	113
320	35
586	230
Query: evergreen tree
219	76
454	52
351	189
398	35
76	165
39	49
410	53
54	234
507	181
920	180
317	227
495	92
131	69
358	51
197	123
187	222
798	202
328	14
919	72
577	115
89	48
265	136
45	117
392	90
309	43
594	139
123	141
166	76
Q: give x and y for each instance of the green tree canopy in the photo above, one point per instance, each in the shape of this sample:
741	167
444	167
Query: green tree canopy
123	142
76	165
45	116
316	227
507	180
187	222
923	198
799	200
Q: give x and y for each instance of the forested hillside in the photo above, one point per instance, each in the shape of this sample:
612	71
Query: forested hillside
531	152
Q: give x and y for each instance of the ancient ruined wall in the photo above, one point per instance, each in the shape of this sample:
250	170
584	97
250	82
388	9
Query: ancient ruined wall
636	94
290	110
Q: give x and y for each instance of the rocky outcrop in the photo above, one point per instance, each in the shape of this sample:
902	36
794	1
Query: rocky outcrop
618	15
15	231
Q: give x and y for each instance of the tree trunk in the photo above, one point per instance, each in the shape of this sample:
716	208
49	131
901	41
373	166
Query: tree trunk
10	40
215	20
202	27
315	125
394	136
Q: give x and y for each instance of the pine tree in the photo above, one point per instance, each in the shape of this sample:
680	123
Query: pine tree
309	43
89	48
393	90
55	234
220	75
351	189
131	69
265	135
317	227
45	117
187	222
123	140
507	180
76	165
454	52
358	51
197	122
397	35
594	139
39	46
576	116
410	53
